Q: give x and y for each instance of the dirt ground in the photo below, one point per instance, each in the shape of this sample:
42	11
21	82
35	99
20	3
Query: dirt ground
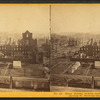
27	70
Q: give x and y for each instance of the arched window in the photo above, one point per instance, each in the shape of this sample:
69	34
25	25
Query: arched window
26	35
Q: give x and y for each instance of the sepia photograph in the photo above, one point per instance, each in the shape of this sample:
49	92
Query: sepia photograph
24	48
49	48
75	48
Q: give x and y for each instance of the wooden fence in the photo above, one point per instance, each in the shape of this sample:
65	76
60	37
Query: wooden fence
75	81
25	82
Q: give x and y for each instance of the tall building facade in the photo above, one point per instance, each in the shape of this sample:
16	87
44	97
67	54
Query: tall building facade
28	41
26	48
92	49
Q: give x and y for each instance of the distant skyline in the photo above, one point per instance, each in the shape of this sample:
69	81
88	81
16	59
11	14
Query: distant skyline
16	19
76	19
65	19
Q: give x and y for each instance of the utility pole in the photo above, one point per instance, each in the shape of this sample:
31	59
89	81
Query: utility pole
50	37
0	40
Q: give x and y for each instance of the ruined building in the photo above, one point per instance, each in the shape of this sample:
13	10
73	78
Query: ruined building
26	48
72	42
91	50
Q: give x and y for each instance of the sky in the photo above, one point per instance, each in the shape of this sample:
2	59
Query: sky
16	19
79	18
76	18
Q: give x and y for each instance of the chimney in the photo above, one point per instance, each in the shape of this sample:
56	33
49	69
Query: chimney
91	43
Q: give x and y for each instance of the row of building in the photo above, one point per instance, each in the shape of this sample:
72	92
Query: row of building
66	41
26	48
90	50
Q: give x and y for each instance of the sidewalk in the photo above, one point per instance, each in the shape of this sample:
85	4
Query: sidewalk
71	89
15	90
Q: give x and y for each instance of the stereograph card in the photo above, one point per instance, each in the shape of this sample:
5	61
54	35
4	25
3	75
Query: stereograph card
49	50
